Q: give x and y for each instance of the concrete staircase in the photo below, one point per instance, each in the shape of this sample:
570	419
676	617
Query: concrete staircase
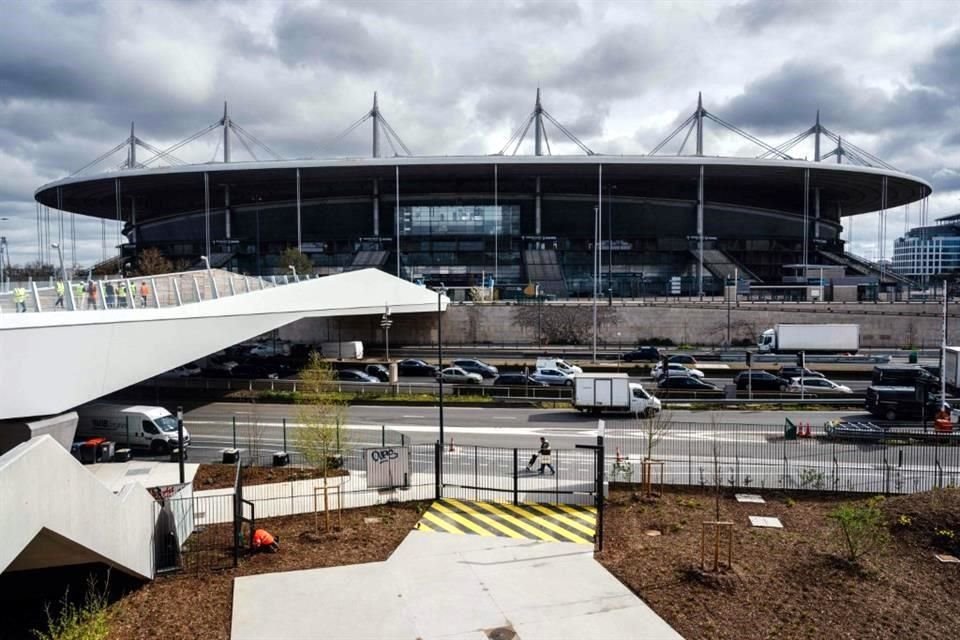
543	268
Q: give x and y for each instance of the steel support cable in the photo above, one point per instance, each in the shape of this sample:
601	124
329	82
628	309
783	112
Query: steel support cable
546	139
847	145
386	127
389	139
168	156
519	131
670	137
522	136
744	134
247	147
100	158
356	124
587	150
216	150
789	144
240	130
169	150
686	137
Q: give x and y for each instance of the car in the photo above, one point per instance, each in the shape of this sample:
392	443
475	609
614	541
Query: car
477	366
553	377
456	375
788	373
270	349
759	381
689	383
253	371
184	371
682	358
643	354
675	370
223	363
355	375
378	371
517	380
812	384
413	367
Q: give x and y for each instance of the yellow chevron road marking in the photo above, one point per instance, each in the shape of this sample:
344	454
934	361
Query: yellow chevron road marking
587	514
544	522
450	513
507	531
573	524
536	533
440	522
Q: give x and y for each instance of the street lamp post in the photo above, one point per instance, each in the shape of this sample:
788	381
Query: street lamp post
296	278
440	292
385	324
610	191
63	274
3	250
727	295
596	269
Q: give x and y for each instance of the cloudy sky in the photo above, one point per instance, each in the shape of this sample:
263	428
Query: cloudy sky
457	77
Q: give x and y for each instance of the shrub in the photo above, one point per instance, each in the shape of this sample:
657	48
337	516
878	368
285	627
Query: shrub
87	621
862	527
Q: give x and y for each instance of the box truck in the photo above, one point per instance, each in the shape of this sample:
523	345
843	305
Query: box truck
136	426
599	392
811	338
352	350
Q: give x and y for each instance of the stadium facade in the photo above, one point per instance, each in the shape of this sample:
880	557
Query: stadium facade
664	221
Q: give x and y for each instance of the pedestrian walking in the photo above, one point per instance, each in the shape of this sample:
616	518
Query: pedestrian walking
91	295
144	292
122	295
78	291
545	456
60	291
263	540
111	294
20	298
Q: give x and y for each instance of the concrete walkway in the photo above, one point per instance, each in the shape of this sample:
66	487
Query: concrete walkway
447	587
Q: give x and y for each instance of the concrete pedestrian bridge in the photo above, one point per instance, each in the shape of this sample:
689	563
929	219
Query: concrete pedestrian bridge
55	360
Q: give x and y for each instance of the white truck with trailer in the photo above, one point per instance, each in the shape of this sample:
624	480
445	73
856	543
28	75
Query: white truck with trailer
136	426
613	392
810	338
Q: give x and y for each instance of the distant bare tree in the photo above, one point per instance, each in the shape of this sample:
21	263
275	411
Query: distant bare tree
562	324
152	262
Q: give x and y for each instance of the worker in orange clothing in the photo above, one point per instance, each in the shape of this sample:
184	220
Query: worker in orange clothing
942	424
264	541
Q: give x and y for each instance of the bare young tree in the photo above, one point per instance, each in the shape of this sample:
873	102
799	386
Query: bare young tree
654	425
152	262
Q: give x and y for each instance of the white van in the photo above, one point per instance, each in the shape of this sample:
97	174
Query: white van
342	350
558	364
148	427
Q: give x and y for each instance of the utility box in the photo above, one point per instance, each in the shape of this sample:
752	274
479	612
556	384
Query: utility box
394	372
230	456
789	430
281	458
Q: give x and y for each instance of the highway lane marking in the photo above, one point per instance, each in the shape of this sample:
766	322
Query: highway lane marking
420	417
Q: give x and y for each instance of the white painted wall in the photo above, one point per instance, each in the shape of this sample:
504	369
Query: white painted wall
55	361
56	510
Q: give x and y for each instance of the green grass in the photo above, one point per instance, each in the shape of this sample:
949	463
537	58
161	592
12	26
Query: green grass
87	621
295	397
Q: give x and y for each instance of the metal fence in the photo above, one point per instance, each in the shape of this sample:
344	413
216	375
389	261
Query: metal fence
517	475
746	456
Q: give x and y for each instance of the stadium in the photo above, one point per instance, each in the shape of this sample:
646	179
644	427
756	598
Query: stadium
667	224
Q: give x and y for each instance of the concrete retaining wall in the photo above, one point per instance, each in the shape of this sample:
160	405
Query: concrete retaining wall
881	325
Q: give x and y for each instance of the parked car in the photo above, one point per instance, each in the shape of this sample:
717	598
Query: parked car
817	385
270	349
675	370
518	380
689	383
456	375
760	381
413	367
223	363
355	375
682	358
553	377
788	373
643	354
253	371
184	371
897	403
476	366
378	371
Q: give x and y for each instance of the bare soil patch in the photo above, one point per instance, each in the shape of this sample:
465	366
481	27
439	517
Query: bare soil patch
789	583
221	476
198	605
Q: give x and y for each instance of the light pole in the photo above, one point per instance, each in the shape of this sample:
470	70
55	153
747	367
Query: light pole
296	278
610	191
440	293
385	324
213	282
63	274
596	269
4	253
727	295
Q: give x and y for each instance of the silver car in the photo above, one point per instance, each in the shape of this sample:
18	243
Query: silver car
456	375
553	377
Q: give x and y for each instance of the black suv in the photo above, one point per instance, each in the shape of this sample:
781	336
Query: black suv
789	373
476	366
643	354
902	376
517	380
762	381
686	382
892	403
413	367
